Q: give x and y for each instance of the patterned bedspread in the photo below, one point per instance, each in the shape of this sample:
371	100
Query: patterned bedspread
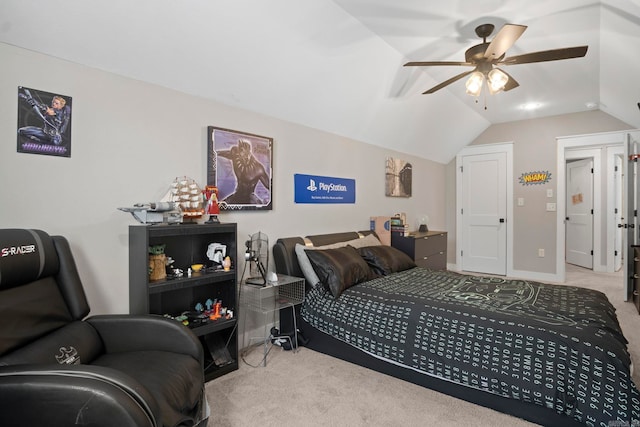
556	346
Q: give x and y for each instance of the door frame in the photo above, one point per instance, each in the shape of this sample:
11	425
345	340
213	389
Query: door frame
504	147
612	189
567	146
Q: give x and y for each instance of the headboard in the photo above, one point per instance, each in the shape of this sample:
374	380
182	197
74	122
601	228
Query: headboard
284	253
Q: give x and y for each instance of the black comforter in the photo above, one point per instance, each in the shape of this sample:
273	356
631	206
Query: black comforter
556	346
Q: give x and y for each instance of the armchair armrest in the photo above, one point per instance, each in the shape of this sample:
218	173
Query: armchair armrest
146	332
55	395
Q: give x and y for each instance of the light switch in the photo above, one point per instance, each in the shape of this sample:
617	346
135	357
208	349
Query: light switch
549	192
520	201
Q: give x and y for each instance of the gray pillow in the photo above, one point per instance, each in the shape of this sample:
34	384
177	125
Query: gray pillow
305	265
385	260
339	268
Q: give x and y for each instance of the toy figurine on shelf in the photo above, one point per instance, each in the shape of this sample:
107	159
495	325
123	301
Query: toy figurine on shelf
157	262
215	315
212	208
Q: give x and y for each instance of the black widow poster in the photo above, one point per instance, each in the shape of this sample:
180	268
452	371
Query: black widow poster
44	123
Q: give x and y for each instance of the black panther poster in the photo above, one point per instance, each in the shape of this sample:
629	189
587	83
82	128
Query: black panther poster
44	123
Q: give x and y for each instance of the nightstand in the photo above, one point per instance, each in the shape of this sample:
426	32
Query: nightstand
428	249
287	292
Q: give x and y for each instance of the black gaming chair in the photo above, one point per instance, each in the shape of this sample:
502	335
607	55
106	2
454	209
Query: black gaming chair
58	368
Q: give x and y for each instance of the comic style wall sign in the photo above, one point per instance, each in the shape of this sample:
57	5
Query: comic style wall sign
533	178
240	165
44	122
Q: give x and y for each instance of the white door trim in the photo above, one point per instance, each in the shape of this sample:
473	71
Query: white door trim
612	153
564	146
506	147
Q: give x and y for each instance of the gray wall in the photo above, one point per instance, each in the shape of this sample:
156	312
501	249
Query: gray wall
534	149
131	139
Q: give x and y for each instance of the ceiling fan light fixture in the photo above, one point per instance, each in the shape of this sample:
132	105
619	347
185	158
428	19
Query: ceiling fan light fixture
474	83
484	56
496	80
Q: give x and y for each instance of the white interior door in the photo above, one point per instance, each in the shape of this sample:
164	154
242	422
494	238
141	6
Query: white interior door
484	228
579	213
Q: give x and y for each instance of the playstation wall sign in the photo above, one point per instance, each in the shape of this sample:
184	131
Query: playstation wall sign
323	189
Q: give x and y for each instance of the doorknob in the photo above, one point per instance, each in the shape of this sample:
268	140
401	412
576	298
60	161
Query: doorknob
501	220
567	218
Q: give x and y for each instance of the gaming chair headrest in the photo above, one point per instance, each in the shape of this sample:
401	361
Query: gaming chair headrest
25	256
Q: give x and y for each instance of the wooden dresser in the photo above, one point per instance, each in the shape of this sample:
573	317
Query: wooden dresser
427	249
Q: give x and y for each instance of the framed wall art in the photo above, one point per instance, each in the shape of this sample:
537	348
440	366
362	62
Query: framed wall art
398	178
240	166
44	122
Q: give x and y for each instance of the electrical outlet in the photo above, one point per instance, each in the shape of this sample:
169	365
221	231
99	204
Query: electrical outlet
520	201
541	253
551	207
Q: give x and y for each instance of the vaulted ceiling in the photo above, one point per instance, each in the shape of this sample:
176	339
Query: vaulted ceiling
338	65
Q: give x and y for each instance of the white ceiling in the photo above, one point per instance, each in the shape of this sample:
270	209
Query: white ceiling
337	65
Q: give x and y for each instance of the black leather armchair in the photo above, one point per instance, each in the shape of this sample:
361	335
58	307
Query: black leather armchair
59	368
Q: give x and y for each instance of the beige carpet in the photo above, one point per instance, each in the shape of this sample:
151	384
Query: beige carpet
311	389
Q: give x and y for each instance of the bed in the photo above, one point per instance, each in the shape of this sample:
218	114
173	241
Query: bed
550	354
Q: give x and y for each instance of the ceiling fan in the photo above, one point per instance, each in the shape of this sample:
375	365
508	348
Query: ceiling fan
485	57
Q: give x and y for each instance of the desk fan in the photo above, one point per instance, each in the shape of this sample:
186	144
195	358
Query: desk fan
258	255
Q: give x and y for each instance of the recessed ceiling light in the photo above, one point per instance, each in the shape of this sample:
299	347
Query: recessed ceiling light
530	106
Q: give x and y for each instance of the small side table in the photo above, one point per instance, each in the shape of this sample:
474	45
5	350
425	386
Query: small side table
287	292
428	249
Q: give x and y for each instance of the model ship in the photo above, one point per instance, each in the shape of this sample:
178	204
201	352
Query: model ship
186	193
184	200
155	212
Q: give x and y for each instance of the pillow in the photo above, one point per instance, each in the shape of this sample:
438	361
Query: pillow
339	268
306	267
385	260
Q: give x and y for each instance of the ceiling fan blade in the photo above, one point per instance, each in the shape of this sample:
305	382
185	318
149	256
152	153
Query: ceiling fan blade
547	55
430	63
505	38
448	82
511	83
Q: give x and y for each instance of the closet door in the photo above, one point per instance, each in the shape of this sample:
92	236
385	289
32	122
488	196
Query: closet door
484	213
579	219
